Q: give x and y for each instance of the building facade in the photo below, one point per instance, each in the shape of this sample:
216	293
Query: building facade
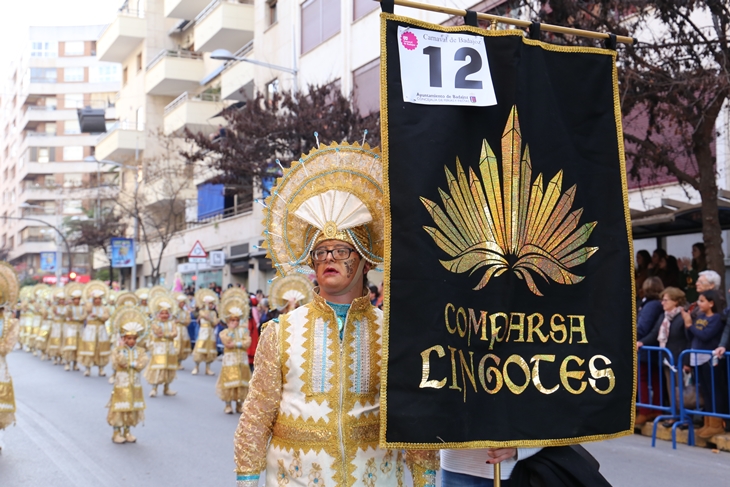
45	178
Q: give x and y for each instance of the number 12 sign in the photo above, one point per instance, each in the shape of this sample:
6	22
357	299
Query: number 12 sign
438	68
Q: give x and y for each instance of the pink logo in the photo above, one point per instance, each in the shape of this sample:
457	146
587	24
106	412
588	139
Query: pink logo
409	41
473	99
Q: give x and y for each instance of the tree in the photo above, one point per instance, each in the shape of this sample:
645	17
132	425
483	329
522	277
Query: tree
673	85
158	202
282	127
96	233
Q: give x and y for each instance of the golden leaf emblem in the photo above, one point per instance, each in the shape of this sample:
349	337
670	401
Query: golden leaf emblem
526	229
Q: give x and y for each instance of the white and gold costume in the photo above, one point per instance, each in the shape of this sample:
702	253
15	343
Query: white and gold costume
312	413
232	384
182	318
9	331
75	317
205	347
163	366
58	314
95	346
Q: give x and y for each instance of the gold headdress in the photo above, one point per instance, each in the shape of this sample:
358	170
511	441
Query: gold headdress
127	298
334	192
113	296
295	286
73	288
143	293
9	285
178	296
202	294
234	306
132	329
158	291
160	302
128	314
95	289
234	291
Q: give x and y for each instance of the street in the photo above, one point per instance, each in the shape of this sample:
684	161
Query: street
61	439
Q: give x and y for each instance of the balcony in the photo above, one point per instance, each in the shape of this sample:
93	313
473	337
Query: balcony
237	79
184	9
40	193
224	24
193	113
38	114
172	72
120	142
122	36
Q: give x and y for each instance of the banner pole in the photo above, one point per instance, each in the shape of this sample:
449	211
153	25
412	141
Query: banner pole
507	20
497	475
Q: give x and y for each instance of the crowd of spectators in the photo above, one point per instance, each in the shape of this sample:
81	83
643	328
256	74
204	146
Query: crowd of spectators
682	306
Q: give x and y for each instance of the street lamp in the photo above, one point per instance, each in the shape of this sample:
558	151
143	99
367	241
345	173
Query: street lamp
136	219
226	55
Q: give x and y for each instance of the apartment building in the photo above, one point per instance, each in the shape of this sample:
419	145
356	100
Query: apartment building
44	176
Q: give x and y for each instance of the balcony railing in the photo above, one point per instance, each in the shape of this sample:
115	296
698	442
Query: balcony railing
43	108
165	53
121	125
212	6
239	209
185	97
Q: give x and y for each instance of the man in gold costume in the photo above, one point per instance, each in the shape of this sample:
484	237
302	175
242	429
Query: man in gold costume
95	346
9	331
312	412
163	367
182	318
58	314
126	406
205	346
75	317
232	385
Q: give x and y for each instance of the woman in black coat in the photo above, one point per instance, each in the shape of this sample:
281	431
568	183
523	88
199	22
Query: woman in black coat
668	332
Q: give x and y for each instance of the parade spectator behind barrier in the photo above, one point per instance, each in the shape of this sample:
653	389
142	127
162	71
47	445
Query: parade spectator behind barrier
668	332
705	332
671	272
643	260
707	281
691	273
649	313
655	268
719	352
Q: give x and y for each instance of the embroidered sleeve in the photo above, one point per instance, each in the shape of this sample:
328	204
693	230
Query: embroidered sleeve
118	360
259	411
172	333
142	359
423	465
9	337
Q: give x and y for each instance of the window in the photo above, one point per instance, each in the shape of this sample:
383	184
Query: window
73	74
104	73
102	100
271	12
320	21
360	8
71	127
51	103
43	154
51	128
366	88
75	100
72	207
73	48
73	180
139	62
125	76
44	49
43	75
73	153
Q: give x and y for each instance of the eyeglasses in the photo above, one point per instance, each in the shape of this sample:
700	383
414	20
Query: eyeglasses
339	253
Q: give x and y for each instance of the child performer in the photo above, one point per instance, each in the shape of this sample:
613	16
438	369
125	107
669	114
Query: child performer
205	347
163	368
232	383
126	406
95	344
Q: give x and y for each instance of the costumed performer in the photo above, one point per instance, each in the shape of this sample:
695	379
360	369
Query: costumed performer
9	331
205	347
232	384
163	366
95	345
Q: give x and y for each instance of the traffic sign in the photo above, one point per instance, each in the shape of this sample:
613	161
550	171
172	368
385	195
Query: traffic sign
217	258
198	260
198	250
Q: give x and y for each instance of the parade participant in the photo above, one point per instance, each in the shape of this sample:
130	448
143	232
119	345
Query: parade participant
144	294
182	340
25	334
38	315
205	347
312	412
9	330
75	317
24	309
232	384
55	340
95	346
126	406
41	341
124	300
163	366
290	292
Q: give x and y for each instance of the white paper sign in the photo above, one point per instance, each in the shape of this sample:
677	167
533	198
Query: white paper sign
439	68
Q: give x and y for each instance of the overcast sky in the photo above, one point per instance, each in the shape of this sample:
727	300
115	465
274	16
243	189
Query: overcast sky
17	16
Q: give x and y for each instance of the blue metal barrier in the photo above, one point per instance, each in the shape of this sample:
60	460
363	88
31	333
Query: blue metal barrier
657	359
709	409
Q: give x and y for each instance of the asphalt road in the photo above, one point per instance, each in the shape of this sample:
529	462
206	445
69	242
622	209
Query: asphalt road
61	439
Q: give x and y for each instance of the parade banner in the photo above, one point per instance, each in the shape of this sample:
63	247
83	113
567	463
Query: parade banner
48	261
509	304
122	252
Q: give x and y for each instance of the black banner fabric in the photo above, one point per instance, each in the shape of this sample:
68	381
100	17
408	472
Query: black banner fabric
509	278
